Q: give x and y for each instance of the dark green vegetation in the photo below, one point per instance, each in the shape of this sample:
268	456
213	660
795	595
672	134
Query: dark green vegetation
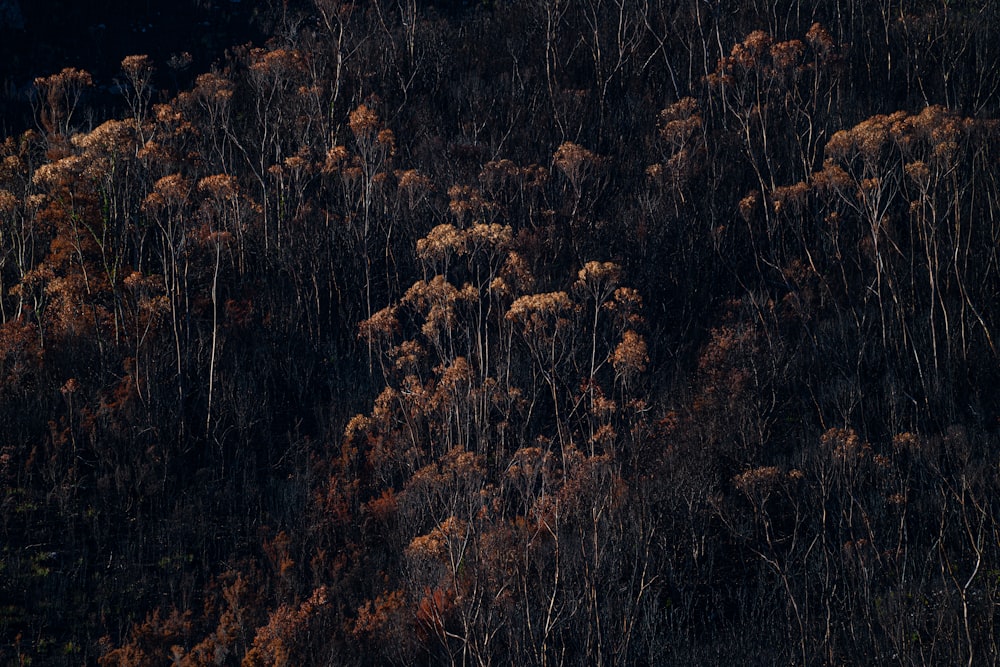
523	332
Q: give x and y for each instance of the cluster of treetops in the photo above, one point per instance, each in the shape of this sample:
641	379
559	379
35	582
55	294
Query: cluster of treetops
522	332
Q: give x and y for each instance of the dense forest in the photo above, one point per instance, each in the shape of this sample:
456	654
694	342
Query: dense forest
538	332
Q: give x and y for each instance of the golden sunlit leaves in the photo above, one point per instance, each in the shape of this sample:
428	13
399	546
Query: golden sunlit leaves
336	157
598	280
8	202
436	300
791	199
221	187
364	122
148	291
383	508
276	63
499	174
489	237
680	121
407	355
442	241
61	173
434	544
277	642
369	133
845	445
576	163
213	89
108	138
454	383
630	356
380	326
759	483
820	40
414	184
538	314
374	617
786	56
760	53
468	202
59	96
446	240
170	190
139	67
680	127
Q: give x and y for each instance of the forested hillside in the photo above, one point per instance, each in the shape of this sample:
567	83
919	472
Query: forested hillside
537	332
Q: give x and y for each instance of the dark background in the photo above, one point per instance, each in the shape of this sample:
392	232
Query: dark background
95	36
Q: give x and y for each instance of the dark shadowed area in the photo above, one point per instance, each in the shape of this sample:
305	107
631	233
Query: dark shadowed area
41	37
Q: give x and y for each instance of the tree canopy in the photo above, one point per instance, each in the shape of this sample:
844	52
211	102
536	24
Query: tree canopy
512	332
